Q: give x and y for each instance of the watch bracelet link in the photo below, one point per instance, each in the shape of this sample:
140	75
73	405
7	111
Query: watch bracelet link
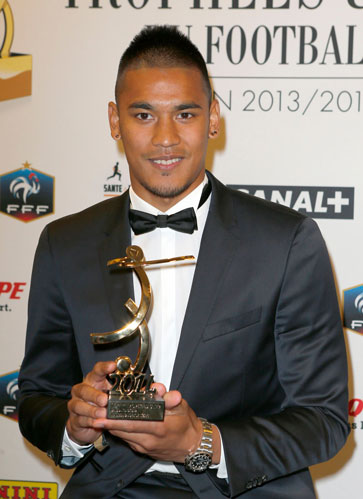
206	443
200	460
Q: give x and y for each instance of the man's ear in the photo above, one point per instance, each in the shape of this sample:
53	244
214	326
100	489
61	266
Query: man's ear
214	119
114	121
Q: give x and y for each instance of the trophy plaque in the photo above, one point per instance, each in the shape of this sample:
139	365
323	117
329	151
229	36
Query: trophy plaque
15	69
131	395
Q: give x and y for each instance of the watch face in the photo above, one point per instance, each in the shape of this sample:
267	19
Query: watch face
199	462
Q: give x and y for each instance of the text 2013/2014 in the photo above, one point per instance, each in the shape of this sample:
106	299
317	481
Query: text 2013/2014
295	101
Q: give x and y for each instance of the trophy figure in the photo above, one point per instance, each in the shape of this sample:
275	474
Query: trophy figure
131	395
15	68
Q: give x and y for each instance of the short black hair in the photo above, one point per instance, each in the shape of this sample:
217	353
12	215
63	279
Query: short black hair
162	46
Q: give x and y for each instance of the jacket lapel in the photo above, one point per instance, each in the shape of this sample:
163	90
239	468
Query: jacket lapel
218	246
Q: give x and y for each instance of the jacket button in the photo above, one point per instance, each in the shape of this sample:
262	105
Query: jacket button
249	485
259	481
254	483
264	478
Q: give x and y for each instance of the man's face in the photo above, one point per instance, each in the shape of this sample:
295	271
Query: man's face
164	121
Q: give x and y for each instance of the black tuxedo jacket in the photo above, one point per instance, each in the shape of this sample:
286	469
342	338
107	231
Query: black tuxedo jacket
261	352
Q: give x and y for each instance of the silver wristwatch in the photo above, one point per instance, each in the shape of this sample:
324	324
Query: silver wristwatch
201	459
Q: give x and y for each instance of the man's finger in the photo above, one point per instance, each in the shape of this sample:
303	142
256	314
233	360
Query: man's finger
82	423
172	399
79	408
89	394
160	389
100	371
128	426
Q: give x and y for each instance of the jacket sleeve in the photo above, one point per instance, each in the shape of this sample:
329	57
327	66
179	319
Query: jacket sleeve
50	367
311	425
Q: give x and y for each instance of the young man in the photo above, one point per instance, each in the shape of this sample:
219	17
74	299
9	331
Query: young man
248	339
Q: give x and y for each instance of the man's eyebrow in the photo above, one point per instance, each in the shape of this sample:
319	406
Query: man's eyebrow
179	107
141	105
187	105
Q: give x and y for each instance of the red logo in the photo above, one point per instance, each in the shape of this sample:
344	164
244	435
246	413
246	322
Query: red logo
12	290
355	407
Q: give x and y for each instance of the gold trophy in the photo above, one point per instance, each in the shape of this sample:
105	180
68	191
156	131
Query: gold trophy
131	395
15	69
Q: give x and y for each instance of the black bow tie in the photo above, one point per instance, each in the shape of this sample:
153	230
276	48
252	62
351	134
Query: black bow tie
182	221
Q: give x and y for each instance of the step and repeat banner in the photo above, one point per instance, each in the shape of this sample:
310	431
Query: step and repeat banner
289	78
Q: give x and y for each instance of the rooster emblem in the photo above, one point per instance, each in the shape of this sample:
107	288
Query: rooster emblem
13	389
25	186
358	302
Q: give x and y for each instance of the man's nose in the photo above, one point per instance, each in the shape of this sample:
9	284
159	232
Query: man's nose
165	132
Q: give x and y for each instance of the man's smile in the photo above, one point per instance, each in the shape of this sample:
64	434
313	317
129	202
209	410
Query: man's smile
166	162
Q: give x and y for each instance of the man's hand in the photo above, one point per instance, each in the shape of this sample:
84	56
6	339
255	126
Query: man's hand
169	440
88	403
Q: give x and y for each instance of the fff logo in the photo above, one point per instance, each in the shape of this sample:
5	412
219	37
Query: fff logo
9	391
26	193
353	308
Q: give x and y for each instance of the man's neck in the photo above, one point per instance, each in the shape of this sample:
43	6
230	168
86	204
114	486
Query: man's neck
189	200
162	203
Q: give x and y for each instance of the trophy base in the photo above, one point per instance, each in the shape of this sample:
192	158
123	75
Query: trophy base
137	408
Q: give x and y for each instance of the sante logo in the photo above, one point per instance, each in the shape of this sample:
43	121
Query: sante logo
113	187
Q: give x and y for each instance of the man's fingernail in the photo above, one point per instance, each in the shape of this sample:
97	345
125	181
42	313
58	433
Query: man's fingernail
101	400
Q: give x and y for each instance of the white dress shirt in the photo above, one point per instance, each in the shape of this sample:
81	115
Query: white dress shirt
171	284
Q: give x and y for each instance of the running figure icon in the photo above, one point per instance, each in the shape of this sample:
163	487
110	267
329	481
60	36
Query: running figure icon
115	172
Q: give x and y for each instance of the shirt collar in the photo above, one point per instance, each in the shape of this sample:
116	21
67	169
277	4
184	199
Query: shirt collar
190	201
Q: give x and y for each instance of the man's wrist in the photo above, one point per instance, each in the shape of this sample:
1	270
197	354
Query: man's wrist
201	459
196	442
71	449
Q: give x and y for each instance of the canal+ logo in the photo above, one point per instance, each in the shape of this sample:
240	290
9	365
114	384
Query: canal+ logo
316	202
26	193
353	308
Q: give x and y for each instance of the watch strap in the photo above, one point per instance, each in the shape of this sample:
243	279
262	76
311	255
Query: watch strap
200	460
206	444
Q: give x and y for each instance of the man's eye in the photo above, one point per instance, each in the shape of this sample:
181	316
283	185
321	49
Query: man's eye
185	116
144	116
